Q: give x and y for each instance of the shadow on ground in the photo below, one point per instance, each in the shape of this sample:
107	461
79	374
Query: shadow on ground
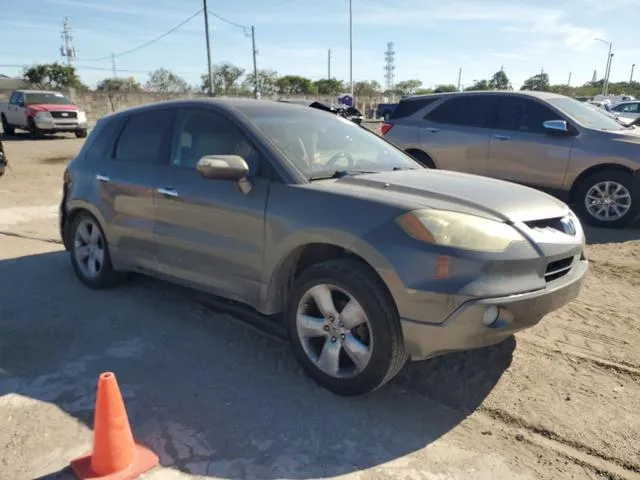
209	394
596	236
24	136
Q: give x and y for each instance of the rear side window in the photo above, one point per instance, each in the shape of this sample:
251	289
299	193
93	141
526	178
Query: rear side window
409	107
145	137
523	115
465	111
103	145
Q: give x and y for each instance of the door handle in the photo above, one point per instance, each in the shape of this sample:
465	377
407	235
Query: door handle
102	178
432	130
169	192
501	137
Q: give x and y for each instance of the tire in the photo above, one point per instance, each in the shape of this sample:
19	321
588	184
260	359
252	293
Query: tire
422	158
105	276
81	133
6	128
34	132
625	181
386	353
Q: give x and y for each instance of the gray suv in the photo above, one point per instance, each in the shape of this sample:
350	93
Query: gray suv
366	256
547	141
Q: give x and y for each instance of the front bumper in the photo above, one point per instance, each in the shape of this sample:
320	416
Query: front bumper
54	125
464	328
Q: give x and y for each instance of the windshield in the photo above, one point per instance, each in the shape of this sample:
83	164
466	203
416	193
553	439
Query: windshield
320	144
51	98
585	115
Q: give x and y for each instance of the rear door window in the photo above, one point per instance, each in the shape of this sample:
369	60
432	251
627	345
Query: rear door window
103	145
409	107
523	115
146	137
465	111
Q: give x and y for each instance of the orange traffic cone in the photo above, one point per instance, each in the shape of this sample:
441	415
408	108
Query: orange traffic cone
115	456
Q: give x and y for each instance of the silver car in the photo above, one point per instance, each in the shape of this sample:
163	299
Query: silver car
547	141
370	257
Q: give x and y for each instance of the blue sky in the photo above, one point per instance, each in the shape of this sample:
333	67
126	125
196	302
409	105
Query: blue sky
293	36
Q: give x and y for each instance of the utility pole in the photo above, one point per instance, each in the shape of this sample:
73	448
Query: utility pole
351	48
67	49
459	77
113	66
255	63
206	32
631	77
606	81
606	70
329	64
569	81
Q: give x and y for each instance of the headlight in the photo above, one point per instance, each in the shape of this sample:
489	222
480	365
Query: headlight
458	230
82	117
43	116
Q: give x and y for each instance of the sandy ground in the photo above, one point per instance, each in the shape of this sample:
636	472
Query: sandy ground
216	398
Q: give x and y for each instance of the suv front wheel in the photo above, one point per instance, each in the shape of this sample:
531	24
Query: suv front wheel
344	328
608	199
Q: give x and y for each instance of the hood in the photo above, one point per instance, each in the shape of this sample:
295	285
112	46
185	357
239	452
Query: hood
46	107
459	192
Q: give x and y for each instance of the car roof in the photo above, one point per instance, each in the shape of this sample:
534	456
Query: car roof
521	93
228	104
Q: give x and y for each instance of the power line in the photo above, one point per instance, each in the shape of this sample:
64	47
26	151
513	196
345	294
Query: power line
146	44
245	28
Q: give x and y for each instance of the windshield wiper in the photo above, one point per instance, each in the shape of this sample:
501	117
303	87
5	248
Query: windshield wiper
339	174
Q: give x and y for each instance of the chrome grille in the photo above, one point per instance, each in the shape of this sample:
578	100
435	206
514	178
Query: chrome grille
64	114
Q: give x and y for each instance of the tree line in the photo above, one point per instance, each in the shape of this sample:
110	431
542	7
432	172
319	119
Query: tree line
229	79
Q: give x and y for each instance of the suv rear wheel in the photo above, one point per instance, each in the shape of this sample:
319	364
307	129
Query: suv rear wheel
608	199
344	329
90	254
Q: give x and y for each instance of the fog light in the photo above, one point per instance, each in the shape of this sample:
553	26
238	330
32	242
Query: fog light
490	315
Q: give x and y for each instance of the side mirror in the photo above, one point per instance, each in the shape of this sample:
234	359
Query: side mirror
557	126
222	167
21	104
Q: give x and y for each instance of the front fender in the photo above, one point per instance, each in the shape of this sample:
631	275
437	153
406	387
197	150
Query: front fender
278	263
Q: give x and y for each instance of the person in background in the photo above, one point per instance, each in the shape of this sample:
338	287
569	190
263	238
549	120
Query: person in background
3	159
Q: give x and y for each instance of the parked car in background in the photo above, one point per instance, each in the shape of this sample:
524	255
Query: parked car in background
40	112
369	257
547	141
629	110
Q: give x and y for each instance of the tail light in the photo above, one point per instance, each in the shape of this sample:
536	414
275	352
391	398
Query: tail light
385	127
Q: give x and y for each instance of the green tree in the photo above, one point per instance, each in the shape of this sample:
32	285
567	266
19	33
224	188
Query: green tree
165	81
423	91
266	82
500	81
445	88
329	86
294	84
538	83
53	76
118	85
407	87
366	88
226	77
479	85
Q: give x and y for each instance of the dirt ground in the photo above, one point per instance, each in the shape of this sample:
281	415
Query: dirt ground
215	398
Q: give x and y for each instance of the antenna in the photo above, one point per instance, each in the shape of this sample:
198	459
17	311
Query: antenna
389	67
67	49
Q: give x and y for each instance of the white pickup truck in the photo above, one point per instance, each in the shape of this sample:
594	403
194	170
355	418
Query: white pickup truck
40	112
